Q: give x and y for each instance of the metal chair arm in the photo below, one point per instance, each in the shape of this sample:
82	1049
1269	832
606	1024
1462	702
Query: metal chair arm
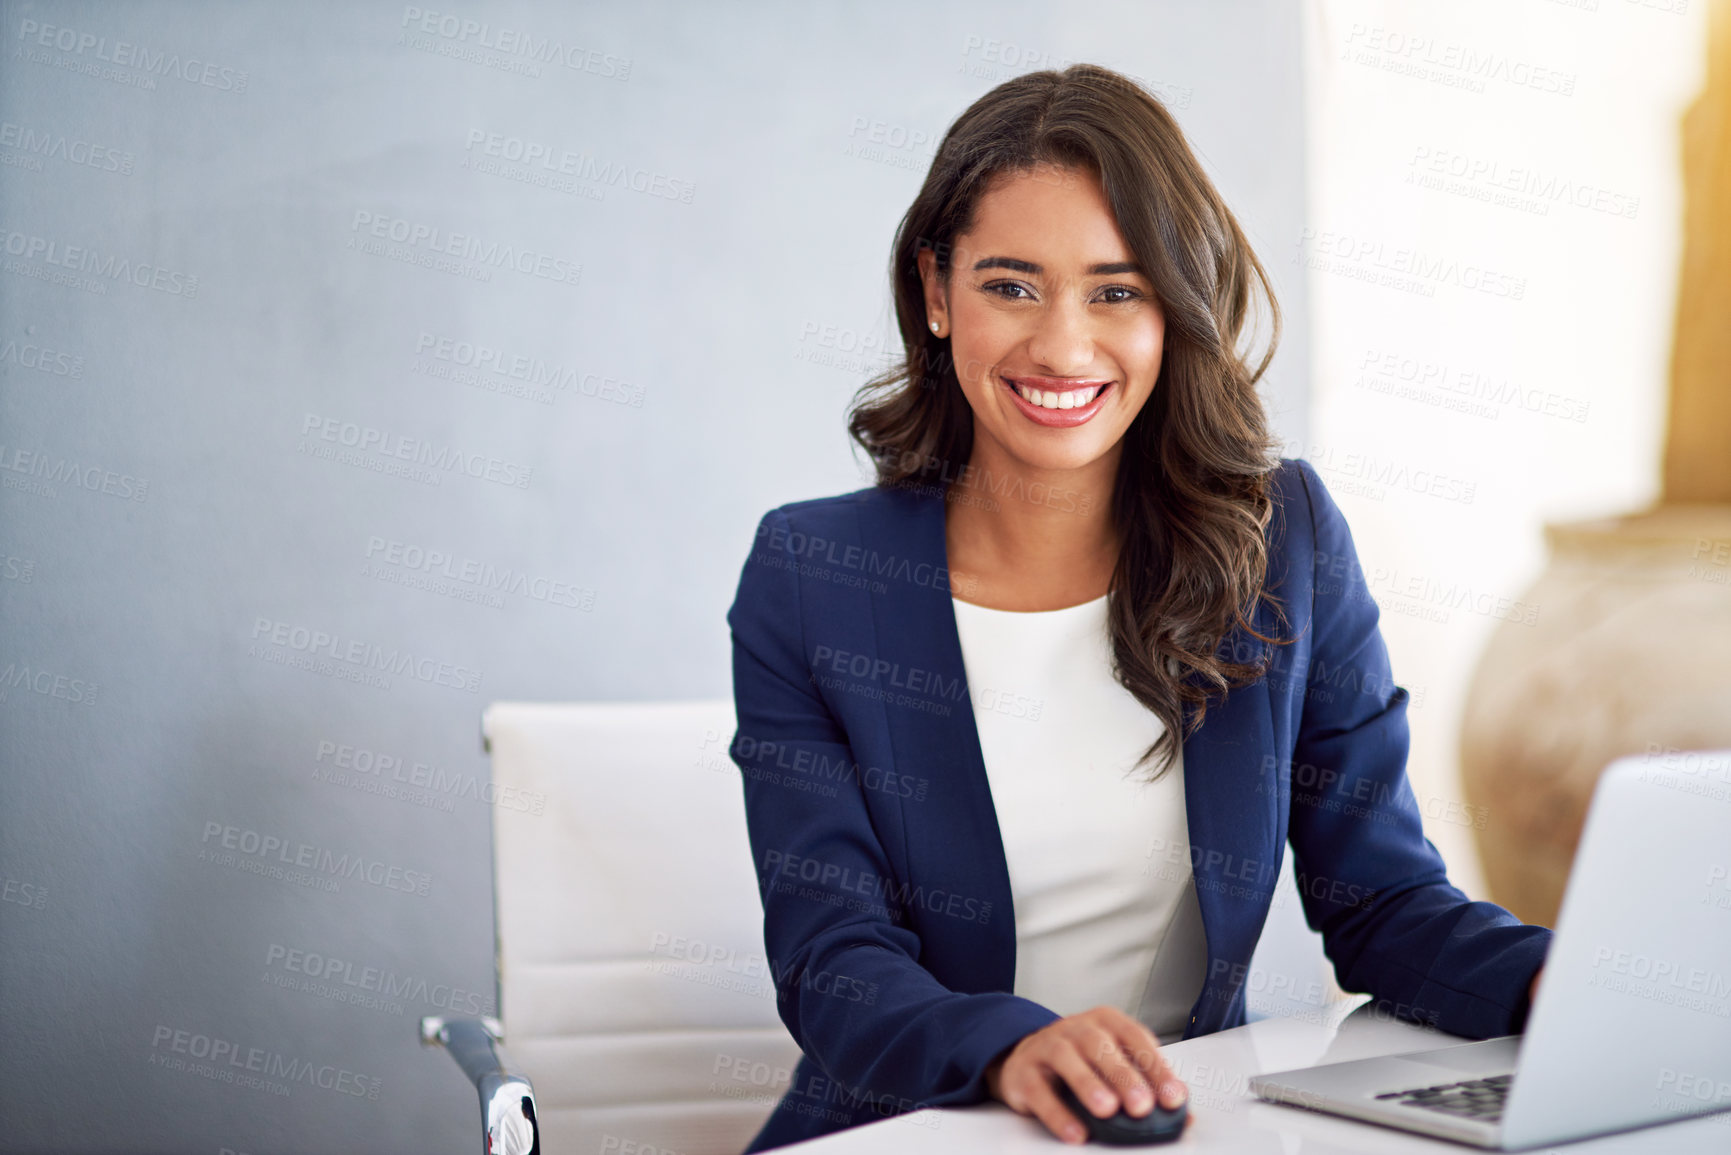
508	1118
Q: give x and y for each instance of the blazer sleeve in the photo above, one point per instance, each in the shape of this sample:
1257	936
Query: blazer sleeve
1369	879
846	966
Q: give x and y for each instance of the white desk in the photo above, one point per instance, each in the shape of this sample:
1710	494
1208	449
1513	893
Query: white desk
1226	1117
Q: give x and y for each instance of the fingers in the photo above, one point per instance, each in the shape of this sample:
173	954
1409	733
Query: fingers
1024	1084
1145	1052
1043	1104
1108	1046
1131	1060
1092	1085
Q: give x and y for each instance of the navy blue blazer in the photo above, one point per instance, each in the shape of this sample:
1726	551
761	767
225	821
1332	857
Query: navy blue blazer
887	915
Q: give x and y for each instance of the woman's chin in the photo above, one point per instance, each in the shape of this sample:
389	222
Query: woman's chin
1052	459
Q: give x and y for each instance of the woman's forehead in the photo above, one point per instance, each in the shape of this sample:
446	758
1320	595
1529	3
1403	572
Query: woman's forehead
1053	217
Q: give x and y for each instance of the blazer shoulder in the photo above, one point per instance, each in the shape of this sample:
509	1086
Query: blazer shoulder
1292	482
840	514
818	506
1293	485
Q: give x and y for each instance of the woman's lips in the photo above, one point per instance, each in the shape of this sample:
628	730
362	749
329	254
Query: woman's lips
1082	398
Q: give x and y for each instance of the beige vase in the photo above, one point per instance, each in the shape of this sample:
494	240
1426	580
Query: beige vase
1630	652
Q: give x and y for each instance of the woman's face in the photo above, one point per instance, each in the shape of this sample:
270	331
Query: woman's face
1055	333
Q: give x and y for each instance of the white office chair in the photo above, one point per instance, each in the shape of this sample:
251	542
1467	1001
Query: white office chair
633	984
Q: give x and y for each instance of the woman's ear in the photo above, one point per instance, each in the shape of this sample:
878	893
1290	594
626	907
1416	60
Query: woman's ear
937	307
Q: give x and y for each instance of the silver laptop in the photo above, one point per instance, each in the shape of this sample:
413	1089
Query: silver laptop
1632	1025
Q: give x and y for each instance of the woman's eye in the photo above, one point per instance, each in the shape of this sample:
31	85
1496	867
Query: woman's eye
1016	291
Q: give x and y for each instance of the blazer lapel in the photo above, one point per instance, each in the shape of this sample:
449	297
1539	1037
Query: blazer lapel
955	851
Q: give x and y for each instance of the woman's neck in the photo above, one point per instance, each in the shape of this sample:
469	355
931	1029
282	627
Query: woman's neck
1028	539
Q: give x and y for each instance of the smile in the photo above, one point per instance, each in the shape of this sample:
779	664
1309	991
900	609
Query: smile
1057	401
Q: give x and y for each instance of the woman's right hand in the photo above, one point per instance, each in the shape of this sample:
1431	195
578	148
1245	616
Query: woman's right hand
1107	1058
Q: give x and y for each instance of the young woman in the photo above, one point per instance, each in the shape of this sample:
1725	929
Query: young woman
1024	727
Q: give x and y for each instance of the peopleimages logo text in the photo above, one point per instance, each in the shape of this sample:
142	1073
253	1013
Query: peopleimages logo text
365	654
516	42
123	54
84	259
367	439
466	246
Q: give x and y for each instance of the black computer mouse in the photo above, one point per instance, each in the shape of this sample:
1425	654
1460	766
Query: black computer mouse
1124	1130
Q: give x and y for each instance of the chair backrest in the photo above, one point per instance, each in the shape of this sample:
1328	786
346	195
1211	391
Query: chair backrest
633	984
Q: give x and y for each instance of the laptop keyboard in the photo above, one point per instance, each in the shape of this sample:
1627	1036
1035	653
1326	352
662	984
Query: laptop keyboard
1480	1099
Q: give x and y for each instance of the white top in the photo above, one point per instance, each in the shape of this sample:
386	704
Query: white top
1105	906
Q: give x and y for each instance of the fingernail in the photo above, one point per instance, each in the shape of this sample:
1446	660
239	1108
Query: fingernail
1140	1101
1172	1094
1100	1100
1072	1132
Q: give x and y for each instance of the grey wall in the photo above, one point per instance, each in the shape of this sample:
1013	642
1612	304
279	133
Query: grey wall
208	597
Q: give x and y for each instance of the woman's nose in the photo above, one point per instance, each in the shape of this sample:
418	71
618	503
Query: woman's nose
1062	342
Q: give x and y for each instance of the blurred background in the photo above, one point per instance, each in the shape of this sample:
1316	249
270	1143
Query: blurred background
364	363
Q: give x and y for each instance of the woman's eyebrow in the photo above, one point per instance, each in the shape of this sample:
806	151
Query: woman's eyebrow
1014	264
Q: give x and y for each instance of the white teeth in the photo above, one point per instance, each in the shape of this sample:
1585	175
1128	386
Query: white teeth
1046	399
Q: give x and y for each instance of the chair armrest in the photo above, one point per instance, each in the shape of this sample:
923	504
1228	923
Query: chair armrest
507	1098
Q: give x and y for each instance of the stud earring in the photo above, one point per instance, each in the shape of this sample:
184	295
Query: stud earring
934	326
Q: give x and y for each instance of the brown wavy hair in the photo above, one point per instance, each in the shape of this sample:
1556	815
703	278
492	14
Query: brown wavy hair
1192	496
